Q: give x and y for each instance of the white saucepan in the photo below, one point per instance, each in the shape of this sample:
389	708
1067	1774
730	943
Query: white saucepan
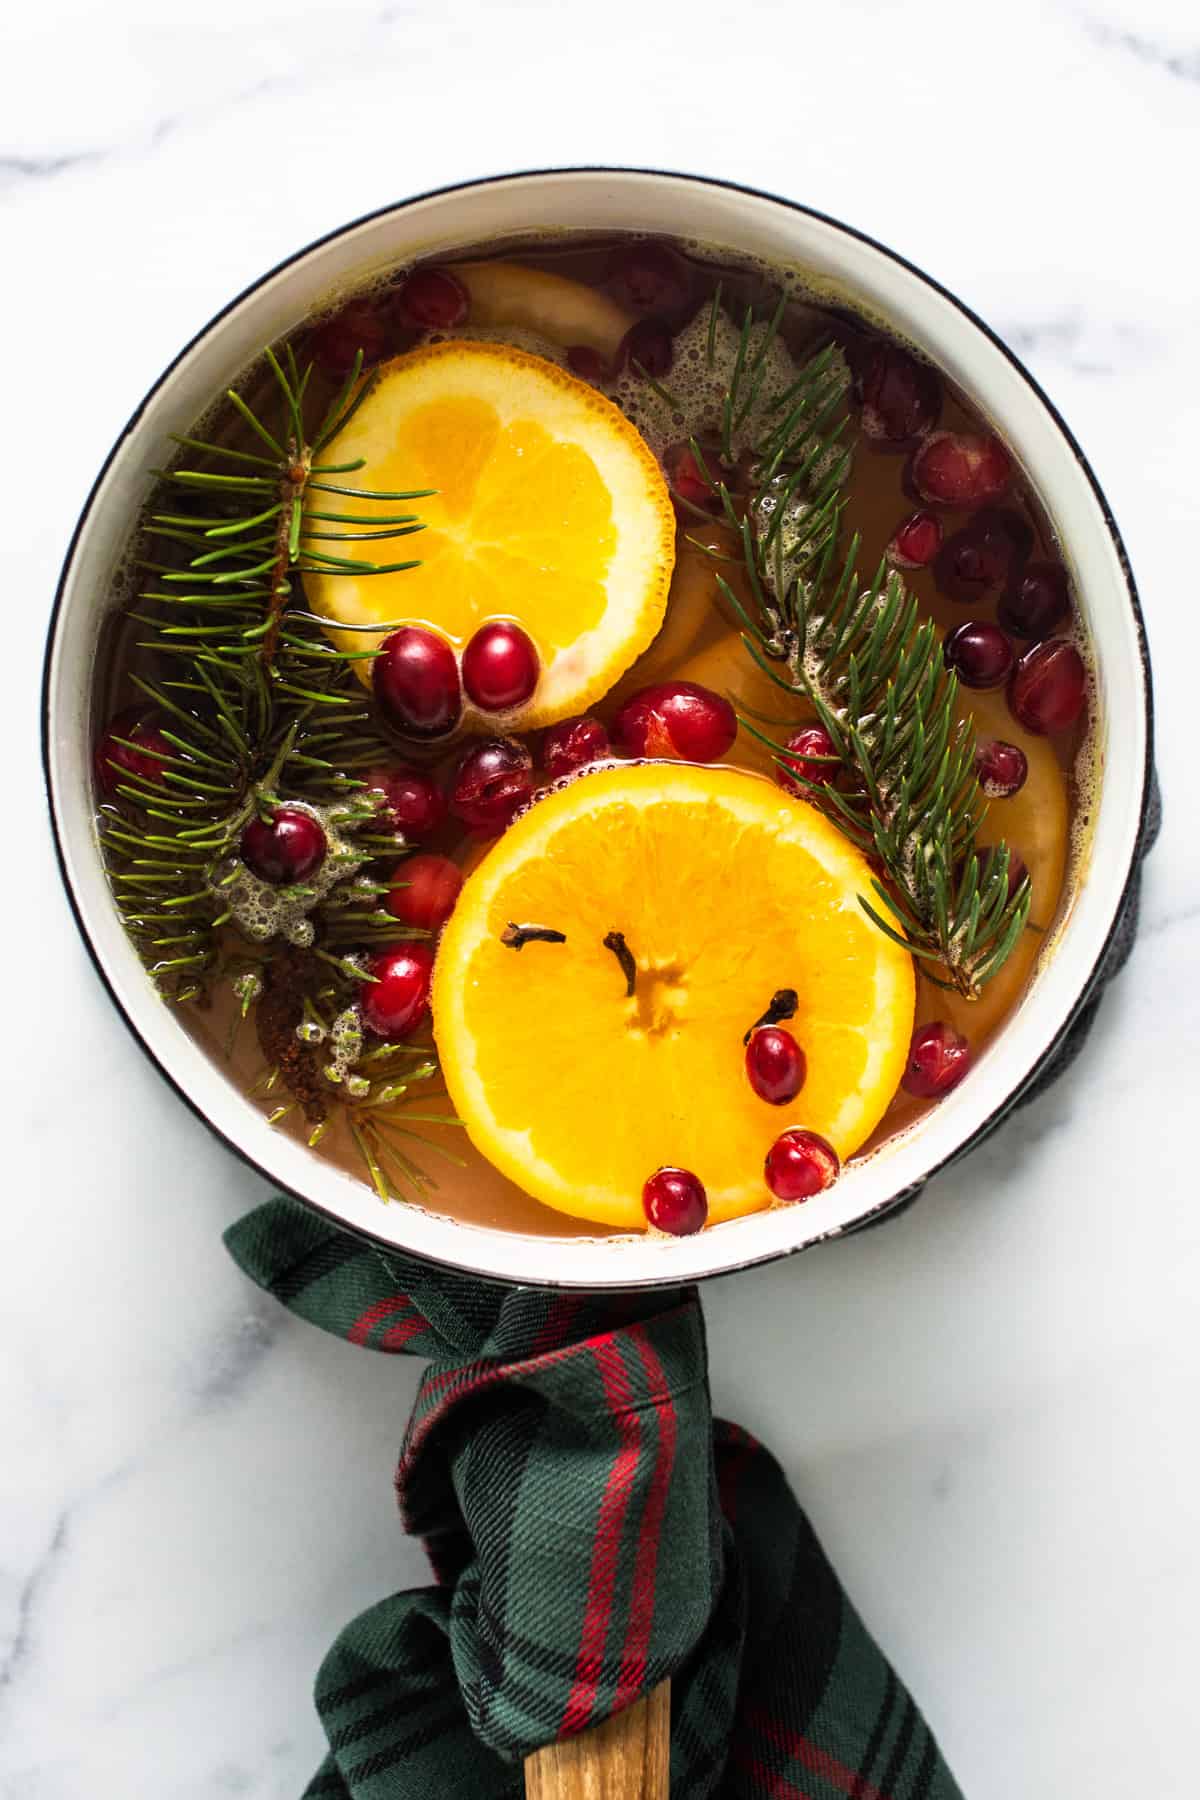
866	275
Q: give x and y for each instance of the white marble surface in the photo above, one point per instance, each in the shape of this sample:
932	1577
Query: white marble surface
988	1407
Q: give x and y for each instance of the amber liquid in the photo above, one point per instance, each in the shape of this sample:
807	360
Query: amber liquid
700	642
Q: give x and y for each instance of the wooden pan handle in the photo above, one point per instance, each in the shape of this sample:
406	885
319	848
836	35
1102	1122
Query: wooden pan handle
626	1758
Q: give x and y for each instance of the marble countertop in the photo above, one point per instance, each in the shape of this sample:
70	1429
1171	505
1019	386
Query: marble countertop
989	1407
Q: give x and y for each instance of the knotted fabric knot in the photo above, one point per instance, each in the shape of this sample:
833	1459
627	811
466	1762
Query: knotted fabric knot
592	1531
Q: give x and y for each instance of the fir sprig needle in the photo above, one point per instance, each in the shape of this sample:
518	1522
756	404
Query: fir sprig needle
257	707
859	656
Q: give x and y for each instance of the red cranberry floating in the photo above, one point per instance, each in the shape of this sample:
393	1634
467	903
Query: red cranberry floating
573	744
424	890
806	751
587	363
1018	871
775	1065
1049	687
800	1164
938	1058
969	571
397	1001
976	562
901	397
1001	769
336	343
415	679
979	653
675	1201
412	802
116	762
500	666
676	719
916	541
961	469
688	484
1036	602
288	847
432	300
648	346
650	278
493	782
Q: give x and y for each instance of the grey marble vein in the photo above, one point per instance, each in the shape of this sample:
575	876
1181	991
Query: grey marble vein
1183	65
1083	343
20	1641
220	1367
38	167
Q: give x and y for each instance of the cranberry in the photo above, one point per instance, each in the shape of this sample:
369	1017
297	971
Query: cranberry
335	343
1036	602
806	751
901	397
410	801
1018	871
500	666
493	782
979	653
916	541
775	1064
688	484
953	469
573	744
1001	769
976	562
432	300
648	346
397	1000
938	1058
289	846
651	278
424	890
116	762
415	678
675	1201
1049	687
855	344
800	1164
676	718
587	363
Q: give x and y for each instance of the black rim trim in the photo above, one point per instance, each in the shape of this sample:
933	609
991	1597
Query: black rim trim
998	1114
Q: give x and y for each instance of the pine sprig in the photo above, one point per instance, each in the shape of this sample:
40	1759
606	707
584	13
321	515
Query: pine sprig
379	1095
873	672
798	464
250	695
257	706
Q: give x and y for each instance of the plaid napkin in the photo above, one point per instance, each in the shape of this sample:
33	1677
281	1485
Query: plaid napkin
592	1529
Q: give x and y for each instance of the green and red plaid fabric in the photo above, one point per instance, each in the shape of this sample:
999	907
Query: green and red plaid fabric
592	1529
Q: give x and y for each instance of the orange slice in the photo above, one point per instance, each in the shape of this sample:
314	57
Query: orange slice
726	890
549	509
515	297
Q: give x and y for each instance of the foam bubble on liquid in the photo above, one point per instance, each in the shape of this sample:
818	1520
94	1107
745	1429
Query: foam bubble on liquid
345	1047
689	400
262	911
247	988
